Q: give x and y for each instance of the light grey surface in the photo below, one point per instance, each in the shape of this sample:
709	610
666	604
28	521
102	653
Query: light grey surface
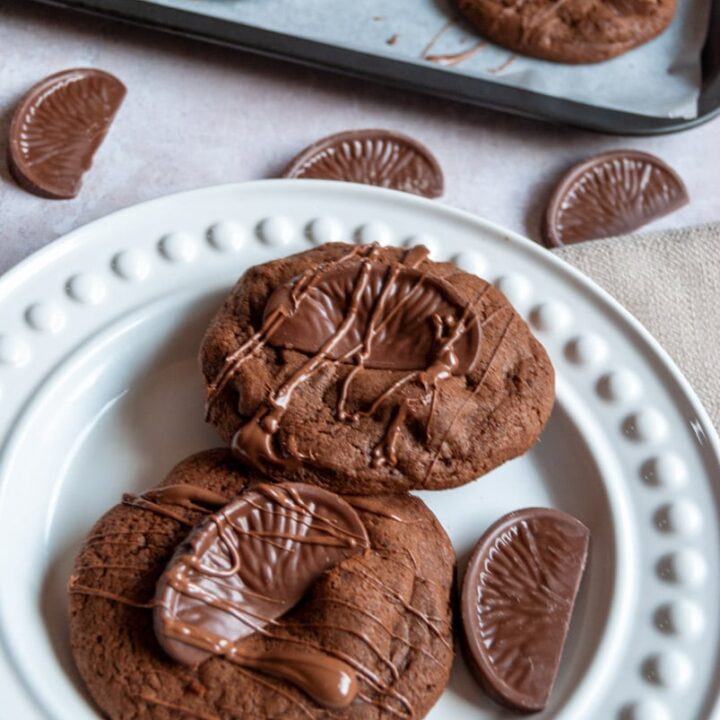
197	115
661	78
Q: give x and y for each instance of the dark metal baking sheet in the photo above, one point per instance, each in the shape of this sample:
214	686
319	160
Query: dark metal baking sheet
423	78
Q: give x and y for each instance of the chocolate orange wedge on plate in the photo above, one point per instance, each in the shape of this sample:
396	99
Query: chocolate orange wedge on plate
517	600
57	128
611	194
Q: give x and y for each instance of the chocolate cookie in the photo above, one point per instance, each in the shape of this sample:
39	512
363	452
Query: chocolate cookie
380	616
366	369
575	31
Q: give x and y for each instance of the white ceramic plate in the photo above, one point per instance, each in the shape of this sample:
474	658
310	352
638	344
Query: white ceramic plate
100	394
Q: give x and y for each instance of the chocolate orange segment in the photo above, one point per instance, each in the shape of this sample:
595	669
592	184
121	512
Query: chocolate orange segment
372	157
611	194
393	318
517	601
57	128
249	564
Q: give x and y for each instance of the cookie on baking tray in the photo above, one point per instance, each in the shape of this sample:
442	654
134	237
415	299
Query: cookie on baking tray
575	31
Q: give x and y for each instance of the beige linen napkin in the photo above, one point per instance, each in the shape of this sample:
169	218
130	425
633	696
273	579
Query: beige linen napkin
670	281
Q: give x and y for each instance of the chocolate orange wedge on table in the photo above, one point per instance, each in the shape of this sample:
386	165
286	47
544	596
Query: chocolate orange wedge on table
57	128
517	601
372	157
611	194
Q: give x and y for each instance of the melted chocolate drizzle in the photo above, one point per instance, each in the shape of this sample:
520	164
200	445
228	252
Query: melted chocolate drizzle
188	496
436	455
367	675
393	635
427	620
142	502
372	505
77	588
452	59
355	633
327	680
373	315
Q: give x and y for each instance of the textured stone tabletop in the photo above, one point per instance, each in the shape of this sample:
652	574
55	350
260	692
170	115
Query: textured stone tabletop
199	115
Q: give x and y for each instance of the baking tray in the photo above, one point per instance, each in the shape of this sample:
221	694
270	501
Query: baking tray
405	74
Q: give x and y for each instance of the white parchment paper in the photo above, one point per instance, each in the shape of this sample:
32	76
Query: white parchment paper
660	79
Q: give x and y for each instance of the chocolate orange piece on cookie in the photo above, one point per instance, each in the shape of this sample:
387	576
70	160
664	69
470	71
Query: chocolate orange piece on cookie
372	157
246	566
517	601
611	194
250	563
57	128
404	342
